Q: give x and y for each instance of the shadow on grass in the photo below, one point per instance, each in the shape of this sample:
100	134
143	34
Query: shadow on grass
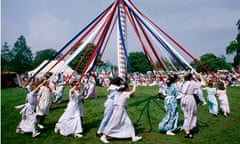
58	107
88	126
200	124
146	102
47	127
159	103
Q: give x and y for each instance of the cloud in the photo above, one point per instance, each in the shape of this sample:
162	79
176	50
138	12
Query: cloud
203	29
47	31
10	32
199	26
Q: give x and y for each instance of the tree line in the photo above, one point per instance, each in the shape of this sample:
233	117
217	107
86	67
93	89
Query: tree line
19	58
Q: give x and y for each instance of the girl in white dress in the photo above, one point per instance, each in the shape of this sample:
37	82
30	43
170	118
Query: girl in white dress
188	105
91	88
70	122
223	99
109	104
120	125
28	122
45	97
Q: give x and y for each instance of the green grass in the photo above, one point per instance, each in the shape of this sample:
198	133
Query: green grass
144	110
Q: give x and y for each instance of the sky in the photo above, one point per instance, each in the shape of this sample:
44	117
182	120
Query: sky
200	26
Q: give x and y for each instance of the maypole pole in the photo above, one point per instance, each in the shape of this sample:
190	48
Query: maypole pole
120	48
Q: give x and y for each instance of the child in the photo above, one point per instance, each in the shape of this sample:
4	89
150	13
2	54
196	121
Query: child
109	103
162	87
223	99
91	88
70	122
199	93
170	122
44	102
59	92
212	101
188	105
29	120
120	125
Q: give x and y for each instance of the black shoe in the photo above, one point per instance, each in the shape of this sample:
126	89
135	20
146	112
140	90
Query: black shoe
99	134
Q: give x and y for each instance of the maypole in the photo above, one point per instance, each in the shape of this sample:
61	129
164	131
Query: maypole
120	43
126	10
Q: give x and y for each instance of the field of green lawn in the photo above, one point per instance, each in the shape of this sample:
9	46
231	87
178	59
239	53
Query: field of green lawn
144	110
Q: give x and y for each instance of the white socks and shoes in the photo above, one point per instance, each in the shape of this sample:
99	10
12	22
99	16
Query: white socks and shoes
40	126
18	130
34	134
56	130
136	138
104	139
170	133
78	135
204	103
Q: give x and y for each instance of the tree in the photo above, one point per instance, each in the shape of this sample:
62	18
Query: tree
83	56
22	56
212	62
169	65
43	55
139	62
234	48
6	56
224	63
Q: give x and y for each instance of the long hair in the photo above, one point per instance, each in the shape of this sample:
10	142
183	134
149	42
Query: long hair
124	87
171	79
73	83
210	83
188	77
116	81
221	86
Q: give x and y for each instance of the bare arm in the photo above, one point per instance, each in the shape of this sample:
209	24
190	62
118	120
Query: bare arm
203	81
38	87
133	89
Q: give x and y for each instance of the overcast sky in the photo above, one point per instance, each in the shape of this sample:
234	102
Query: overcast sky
201	26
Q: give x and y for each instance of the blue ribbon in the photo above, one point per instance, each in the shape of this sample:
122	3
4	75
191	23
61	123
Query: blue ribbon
164	45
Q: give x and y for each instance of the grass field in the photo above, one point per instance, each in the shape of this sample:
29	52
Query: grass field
144	110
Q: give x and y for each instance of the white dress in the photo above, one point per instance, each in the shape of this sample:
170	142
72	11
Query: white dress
44	101
223	101
28	121
120	125
70	121
91	92
189	106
